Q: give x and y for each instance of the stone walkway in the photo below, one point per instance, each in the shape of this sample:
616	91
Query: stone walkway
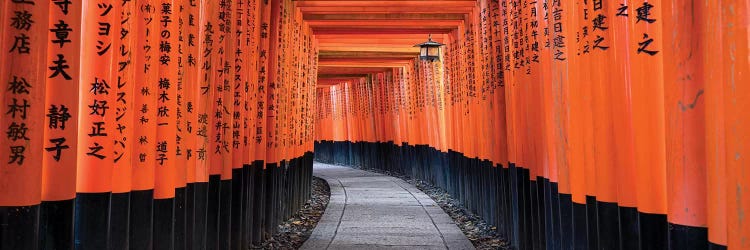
375	211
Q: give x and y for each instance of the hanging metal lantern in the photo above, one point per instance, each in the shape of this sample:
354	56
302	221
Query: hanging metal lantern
429	50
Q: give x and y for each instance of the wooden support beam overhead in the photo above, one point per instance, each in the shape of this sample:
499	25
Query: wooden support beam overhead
385	16
363	54
360	37
381	36
379	31
380	3
385	23
322	71
345	47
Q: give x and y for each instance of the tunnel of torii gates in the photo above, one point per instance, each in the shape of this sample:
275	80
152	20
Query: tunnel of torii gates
180	124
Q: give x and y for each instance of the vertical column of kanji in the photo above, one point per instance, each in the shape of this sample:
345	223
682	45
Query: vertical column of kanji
124	71
470	100
190	21
94	182
509	60
287	76
447	57
308	87
208	116
225	106
259	135
685	125
562	33
238	57
458	110
500	53
499	125
313	75
61	135
514	156
420	79
299	62
23	75
501	35
736	69
181	131
481	58
166	122
501	59
146	37
216	152
291	120
431	126
713	72
647	93
283	84
188	92
397	117
205	218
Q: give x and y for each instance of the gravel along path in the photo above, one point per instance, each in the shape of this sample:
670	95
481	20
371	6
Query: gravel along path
295	231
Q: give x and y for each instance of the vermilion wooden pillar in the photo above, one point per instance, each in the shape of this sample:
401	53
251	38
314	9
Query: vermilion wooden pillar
146	79
97	122
61	133
685	113
23	71
736	67
123	71
647	93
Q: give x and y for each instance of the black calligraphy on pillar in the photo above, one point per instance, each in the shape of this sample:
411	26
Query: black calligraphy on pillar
99	87
643	13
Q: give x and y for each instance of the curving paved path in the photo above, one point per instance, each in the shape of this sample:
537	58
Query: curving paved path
375	211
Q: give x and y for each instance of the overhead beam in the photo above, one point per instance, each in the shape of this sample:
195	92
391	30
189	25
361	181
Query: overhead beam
428	24
363	54
380	3
323	70
379	31
324	47
385	10
385	16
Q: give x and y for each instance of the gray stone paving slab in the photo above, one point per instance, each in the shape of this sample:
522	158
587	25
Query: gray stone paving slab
374	211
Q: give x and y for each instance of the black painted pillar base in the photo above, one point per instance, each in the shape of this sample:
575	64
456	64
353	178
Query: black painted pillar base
225	214
19	228
164	224
92	215
180	216
119	224
201	215
190	216
56	224
212	212
141	219
259	197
